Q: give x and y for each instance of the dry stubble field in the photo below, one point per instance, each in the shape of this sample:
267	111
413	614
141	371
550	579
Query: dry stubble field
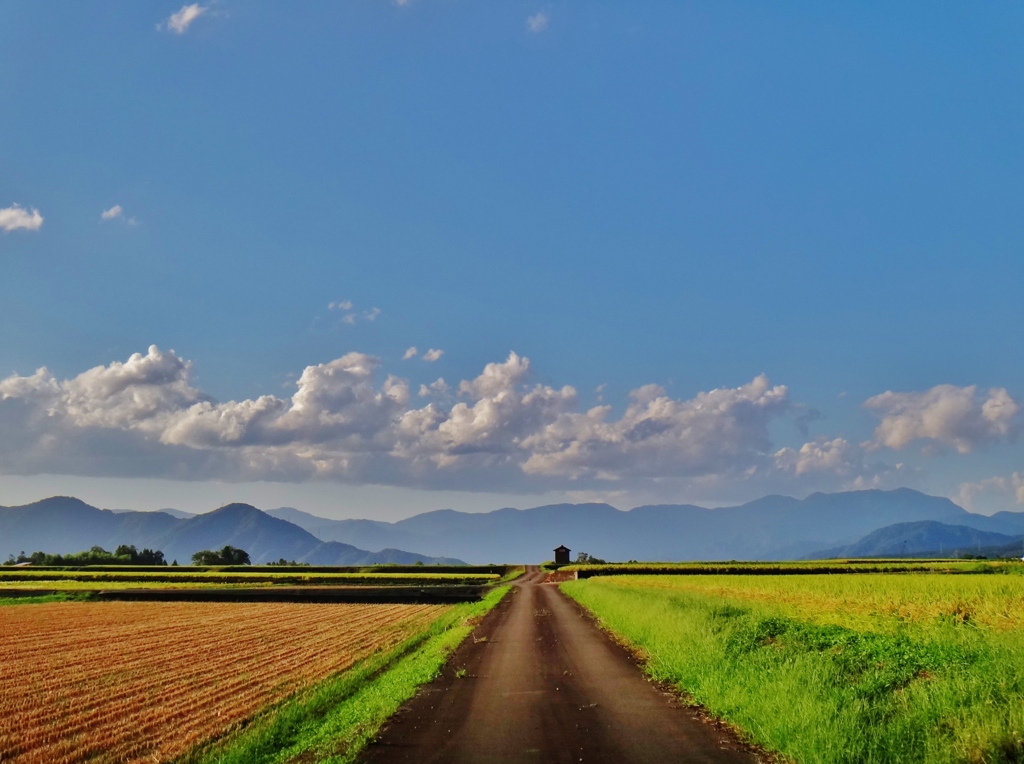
134	681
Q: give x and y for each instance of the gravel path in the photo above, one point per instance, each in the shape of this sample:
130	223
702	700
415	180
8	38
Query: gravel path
539	682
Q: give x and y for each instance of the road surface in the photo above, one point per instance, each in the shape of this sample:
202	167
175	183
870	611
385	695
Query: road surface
539	682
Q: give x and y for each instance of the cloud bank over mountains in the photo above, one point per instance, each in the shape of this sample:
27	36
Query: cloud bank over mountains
945	416
349	422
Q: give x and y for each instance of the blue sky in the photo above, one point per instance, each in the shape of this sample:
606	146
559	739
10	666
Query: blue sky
802	222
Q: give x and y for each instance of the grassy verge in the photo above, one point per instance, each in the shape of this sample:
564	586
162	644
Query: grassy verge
44	598
514	572
333	721
818	691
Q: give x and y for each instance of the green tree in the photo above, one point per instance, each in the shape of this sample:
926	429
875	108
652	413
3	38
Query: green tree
228	555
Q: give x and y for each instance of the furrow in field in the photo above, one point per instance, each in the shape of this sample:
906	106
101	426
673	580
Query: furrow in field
112	682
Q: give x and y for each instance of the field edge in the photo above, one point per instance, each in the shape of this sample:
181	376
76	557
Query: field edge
335	719
642	657
822	692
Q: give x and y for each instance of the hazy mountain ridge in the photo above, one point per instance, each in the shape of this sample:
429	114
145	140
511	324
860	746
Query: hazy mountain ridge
926	538
64	524
773	527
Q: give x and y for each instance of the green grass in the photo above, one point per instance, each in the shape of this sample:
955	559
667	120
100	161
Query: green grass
337	718
865	671
513	572
43	599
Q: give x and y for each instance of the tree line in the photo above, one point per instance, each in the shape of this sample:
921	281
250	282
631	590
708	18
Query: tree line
127	554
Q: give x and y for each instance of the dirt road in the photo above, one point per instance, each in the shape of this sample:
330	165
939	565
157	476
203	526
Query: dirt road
539	682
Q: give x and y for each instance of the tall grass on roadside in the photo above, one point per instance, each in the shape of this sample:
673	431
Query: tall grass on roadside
332	722
935	690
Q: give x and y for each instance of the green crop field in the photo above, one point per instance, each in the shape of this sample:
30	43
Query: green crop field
799	567
166	577
905	667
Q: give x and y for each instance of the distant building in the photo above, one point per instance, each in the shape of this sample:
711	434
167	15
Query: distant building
562	555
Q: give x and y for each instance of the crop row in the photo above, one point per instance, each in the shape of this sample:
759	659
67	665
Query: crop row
873	601
216	577
811	567
132	681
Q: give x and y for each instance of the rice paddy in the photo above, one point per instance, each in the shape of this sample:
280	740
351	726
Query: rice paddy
908	667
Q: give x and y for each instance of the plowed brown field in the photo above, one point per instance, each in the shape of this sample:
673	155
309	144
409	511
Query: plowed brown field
145	681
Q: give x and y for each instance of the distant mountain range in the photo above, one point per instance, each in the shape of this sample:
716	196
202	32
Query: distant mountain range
63	524
771	528
927	538
855	523
172	512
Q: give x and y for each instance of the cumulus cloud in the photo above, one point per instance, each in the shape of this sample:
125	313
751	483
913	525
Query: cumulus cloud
723	430
433	355
14	217
944	416
991	492
410	353
144	393
336	404
437	387
837	464
836	456
340	305
181	20
538	22
344	422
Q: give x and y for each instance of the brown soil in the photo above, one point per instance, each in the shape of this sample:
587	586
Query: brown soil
106	682
539	682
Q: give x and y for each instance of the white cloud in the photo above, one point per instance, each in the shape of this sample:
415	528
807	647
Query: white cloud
410	353
114	212
16	216
352	316
723	430
945	415
538	22
181	20
836	456
836	464
145	415
991	492
437	387
348	421
336	404
142	393
433	355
